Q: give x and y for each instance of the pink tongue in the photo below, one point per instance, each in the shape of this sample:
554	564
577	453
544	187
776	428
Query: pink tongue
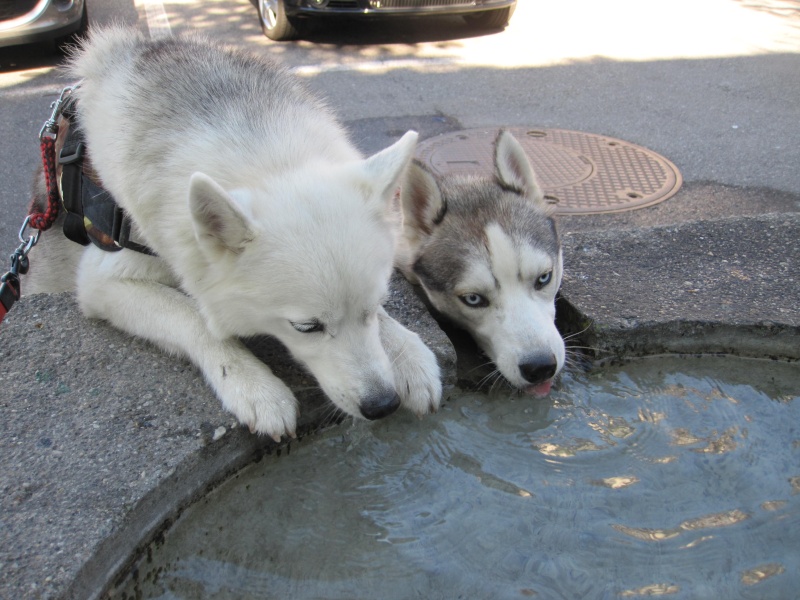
539	390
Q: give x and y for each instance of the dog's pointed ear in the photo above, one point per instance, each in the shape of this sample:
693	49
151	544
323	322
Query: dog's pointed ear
219	224
385	169
513	169
421	200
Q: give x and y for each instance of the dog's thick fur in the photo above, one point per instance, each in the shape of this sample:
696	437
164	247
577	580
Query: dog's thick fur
487	255
264	219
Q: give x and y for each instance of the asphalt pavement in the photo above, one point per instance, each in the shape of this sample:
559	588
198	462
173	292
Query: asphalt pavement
710	85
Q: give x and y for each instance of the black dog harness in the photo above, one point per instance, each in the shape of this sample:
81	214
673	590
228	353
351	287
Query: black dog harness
92	214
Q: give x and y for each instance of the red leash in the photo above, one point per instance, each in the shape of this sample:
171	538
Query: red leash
41	221
44	220
47	139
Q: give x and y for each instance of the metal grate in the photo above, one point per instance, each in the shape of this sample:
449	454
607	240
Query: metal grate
581	173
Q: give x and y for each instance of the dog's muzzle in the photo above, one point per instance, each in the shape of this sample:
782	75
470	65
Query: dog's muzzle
379	405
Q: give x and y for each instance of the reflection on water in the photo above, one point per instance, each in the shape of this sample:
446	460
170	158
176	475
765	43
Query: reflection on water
730	517
668	477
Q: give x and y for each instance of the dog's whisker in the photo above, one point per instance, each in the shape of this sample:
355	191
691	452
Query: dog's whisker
491	379
579	347
482	381
592	348
498	380
487	378
331	415
480	366
577	333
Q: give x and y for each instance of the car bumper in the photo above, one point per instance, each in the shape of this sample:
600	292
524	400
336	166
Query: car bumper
377	8
46	20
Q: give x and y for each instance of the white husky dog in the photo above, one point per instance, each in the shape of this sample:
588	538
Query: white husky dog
487	255
264	220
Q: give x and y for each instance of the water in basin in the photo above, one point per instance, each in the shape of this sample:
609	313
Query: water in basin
668	476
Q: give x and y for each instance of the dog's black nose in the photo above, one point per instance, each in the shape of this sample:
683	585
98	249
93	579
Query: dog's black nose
538	369
379	405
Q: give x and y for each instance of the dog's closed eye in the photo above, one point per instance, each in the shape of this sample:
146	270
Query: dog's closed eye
312	326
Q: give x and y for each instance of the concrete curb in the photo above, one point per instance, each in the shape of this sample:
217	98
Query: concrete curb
714	286
105	439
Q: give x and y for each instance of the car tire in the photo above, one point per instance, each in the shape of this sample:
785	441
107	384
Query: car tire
489	19
274	22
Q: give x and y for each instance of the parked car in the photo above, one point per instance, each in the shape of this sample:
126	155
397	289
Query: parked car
28	21
281	19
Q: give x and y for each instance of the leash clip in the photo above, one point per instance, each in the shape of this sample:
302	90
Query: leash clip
9	283
19	258
50	127
27	243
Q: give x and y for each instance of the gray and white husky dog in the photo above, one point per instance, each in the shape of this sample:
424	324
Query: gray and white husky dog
487	255
264	220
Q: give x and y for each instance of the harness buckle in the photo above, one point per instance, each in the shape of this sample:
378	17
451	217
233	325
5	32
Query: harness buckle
71	154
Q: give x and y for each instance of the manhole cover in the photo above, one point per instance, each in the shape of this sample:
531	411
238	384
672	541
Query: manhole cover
581	173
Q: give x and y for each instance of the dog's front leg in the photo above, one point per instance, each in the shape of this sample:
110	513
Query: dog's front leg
149	309
416	372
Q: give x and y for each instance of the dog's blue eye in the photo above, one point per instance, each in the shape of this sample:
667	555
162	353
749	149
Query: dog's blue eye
543	280
474	300
308	326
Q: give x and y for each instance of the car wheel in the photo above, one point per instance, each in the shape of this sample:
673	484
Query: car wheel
274	22
489	19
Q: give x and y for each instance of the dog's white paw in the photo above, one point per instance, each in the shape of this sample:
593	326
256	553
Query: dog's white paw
417	376
418	379
258	399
